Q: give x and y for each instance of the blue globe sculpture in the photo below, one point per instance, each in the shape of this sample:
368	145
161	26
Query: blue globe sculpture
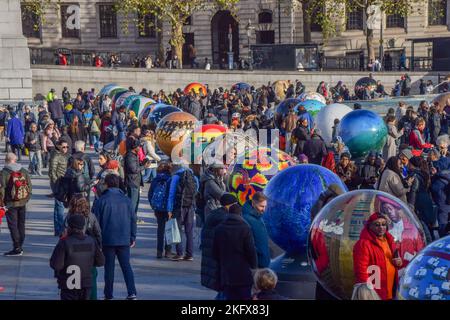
159	112
362	131
427	276
291	195
312	106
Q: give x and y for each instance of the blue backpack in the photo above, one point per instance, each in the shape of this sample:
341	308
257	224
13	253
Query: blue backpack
158	200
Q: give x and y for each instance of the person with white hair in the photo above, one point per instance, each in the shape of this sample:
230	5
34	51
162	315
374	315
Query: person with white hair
79	153
443	143
15	192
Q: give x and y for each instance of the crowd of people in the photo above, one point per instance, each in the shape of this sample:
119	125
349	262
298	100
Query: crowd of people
102	207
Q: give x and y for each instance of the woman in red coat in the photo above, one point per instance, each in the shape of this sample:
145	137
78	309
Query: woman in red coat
373	257
417	137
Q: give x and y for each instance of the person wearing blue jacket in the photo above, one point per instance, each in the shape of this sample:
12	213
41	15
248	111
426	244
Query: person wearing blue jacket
15	134
252	213
117	220
183	188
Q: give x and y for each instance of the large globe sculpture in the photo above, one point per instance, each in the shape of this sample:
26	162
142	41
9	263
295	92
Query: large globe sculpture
106	89
365	83
173	129
427	276
326	116
311	95
251	171
291	195
160	111
228	146
197	87
338	226
241	86
312	106
362	131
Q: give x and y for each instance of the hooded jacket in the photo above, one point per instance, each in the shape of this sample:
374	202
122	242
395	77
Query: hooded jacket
213	188
15	131
260	235
367	252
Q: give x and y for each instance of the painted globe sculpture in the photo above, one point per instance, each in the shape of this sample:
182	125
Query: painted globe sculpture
252	171
427	276
311	95
228	146
112	91
106	89
312	106
241	86
173	129
362	131
338	227
139	104
291	194
365	83
197	87
160	111
325	118
200	138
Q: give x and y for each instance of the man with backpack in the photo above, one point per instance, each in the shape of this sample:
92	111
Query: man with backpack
184	187
15	192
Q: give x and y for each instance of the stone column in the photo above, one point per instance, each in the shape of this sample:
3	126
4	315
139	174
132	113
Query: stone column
15	71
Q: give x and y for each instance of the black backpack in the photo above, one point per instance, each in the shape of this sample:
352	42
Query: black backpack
188	188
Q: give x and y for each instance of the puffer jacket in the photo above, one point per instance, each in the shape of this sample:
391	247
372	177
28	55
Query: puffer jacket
391	183
213	188
76	183
58	166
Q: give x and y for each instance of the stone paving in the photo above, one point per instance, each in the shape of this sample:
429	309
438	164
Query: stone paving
29	277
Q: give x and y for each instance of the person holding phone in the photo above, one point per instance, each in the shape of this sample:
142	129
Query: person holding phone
375	259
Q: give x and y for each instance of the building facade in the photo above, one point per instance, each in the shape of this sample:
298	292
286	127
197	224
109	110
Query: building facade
255	22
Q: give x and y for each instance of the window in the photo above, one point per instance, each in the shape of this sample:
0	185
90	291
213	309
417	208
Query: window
68	24
31	24
188	21
395	21
108	21
355	19
437	12
146	26
265	37
265	17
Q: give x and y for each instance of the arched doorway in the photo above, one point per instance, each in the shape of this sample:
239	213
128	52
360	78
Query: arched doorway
220	24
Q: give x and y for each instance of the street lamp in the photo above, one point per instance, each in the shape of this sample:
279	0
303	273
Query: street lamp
249	29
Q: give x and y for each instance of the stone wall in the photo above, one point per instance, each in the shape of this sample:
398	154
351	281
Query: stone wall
57	77
15	73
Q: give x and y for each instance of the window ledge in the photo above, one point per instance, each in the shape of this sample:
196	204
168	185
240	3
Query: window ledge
108	40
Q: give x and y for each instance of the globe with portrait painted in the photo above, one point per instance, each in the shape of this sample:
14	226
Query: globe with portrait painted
291	194
251	171
341	229
427	276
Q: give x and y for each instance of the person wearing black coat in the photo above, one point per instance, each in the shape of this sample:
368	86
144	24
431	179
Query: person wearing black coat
301	135
235	253
56	110
75	182
80	250
133	171
315	148
209	267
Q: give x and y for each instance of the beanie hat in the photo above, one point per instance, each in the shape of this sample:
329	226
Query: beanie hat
375	216
227	199
76	221
407	153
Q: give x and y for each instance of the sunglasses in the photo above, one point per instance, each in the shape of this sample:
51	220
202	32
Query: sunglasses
64	147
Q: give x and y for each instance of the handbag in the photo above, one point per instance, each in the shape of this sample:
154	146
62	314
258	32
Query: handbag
172	233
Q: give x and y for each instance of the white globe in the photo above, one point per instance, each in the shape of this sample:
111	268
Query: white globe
325	118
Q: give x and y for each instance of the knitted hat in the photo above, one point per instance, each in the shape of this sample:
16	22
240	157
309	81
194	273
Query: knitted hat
227	199
407	153
375	216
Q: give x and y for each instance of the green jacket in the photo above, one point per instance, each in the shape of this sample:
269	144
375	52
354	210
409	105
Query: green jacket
58	166
4	179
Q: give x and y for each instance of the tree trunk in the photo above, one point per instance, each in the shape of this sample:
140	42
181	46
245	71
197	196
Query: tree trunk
306	22
159	34
177	41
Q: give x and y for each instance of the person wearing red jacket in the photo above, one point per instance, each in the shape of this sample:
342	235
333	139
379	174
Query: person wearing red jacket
373	257
417	137
406	236
62	60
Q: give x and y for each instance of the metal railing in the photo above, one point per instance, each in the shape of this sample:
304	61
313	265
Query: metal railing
353	63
